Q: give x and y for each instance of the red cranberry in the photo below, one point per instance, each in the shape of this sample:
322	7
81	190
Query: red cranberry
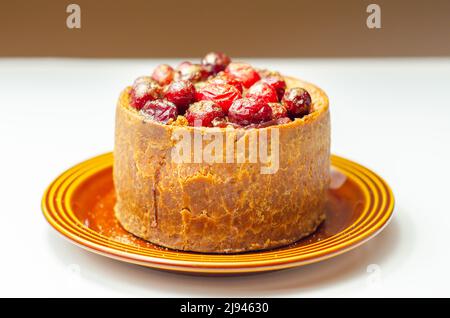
278	110
222	94
278	84
181	93
262	92
215	62
144	89
160	110
247	111
225	78
297	102
183	65
163	74
191	72
203	113
243	72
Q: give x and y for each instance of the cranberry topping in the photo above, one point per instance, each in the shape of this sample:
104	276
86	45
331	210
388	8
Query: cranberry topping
202	113
278	110
222	94
191	72
297	102
181	93
183	65
144	89
225	78
160	110
244	73
262	92
247	111
163	74
218	93
278	84
215	62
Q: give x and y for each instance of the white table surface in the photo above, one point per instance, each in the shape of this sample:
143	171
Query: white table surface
391	115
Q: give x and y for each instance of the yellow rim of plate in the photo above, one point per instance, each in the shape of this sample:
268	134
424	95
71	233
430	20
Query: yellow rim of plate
377	211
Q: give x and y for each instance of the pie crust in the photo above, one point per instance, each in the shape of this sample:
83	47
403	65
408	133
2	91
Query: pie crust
221	207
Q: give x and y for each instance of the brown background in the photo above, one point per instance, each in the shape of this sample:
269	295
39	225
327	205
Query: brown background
138	28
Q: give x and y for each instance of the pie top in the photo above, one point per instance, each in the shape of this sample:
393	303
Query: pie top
220	93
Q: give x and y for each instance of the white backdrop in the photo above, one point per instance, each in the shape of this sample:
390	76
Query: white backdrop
392	115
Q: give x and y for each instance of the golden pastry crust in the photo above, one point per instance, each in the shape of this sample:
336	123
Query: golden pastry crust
221	207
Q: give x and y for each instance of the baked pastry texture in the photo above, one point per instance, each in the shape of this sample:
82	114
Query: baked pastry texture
222	207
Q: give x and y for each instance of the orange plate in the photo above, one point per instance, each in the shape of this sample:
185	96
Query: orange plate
79	205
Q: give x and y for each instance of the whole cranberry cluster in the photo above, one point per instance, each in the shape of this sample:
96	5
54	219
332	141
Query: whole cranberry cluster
218	93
